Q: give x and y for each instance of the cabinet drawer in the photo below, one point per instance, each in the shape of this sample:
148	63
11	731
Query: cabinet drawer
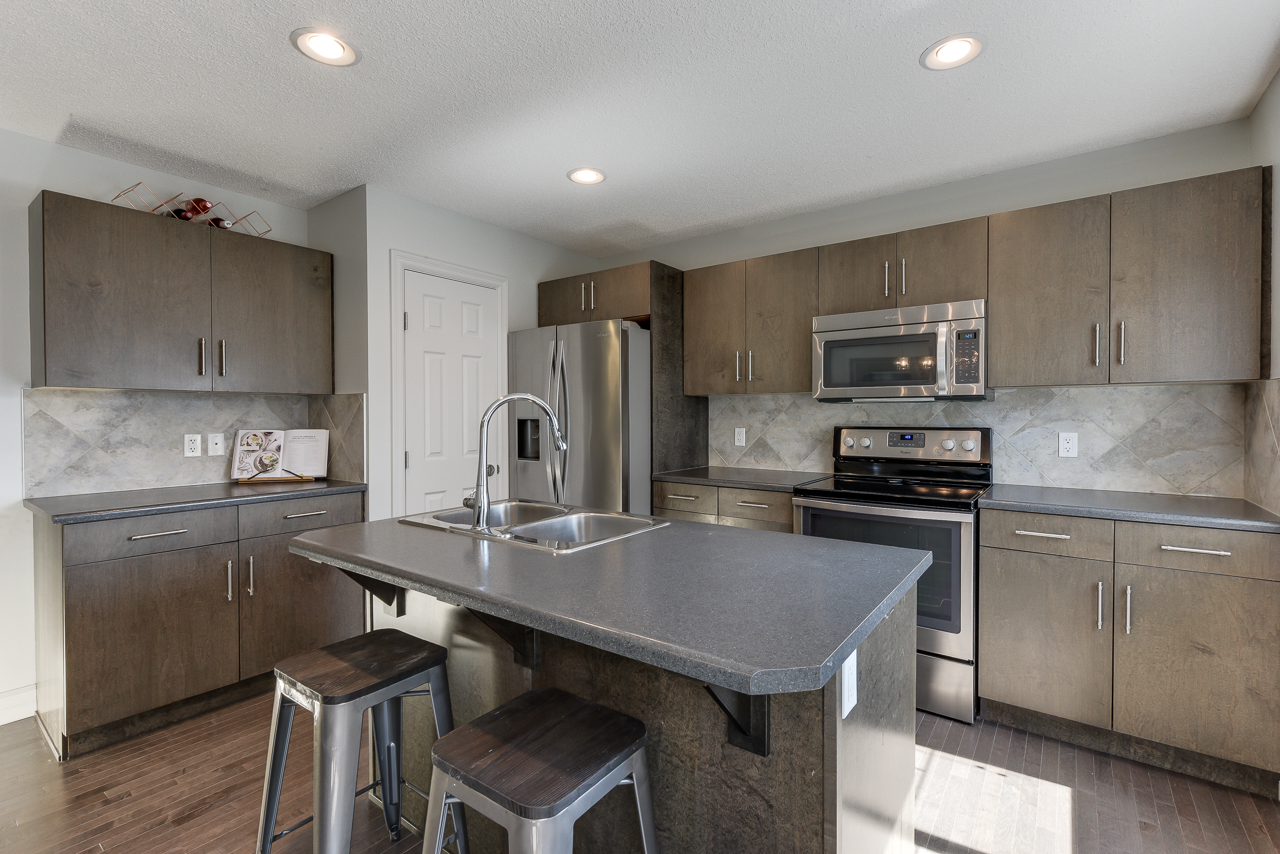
1243	554
705	518
299	514
760	504
686	497
1045	533
110	539
755	524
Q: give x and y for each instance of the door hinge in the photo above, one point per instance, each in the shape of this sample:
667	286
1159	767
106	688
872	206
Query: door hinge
406	321
406	459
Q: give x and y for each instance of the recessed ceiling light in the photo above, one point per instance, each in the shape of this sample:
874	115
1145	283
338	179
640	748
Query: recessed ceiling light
586	175
951	52
323	47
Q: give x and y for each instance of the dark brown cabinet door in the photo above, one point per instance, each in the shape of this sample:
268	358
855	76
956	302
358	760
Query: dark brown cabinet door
562	301
860	275
943	263
145	631
272	316
715	312
1049	295
289	605
120	297
1044	634
1186	280
620	293
781	301
1198	667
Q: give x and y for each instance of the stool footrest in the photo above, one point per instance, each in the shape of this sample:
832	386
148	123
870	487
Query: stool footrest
310	818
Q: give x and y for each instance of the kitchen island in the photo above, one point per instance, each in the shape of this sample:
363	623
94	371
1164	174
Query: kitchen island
709	635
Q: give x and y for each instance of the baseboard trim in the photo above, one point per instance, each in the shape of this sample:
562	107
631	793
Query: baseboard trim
1247	778
17	704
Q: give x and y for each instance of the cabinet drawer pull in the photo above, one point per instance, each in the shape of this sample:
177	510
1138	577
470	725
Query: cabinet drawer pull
251	580
1195	551
1038	534
753	504
229	565
1099	605
1128	610
312	513
684	497
157	534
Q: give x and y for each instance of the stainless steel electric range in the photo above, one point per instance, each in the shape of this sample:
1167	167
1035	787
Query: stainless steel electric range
915	489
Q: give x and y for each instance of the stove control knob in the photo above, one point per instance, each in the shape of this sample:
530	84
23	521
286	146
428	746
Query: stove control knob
948	444
968	445
864	442
848	441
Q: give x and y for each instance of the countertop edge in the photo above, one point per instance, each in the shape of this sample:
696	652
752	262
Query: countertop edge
177	507
1123	515
685	662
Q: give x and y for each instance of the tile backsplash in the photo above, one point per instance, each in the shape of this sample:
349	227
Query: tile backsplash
1165	438
88	440
1262	445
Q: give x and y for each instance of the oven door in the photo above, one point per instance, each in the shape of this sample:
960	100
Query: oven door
945	602
887	361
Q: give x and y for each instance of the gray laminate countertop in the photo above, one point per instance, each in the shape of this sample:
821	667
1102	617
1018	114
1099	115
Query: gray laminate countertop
774	481
1199	511
98	506
753	611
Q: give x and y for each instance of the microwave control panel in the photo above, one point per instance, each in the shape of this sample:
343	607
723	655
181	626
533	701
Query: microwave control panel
968	356
882	443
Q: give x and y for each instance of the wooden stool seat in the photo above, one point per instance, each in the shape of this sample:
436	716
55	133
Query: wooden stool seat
537	754
357	667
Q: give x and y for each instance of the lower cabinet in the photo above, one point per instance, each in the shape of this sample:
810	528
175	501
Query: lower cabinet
142	632
1197	662
1044	640
289	605
759	509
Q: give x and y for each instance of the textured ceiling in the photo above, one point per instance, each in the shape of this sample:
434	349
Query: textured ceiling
704	115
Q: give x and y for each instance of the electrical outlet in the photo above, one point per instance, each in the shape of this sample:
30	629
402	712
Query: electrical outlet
1068	444
191	445
849	684
740	436
216	446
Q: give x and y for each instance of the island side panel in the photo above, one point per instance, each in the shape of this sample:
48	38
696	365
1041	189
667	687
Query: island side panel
870	765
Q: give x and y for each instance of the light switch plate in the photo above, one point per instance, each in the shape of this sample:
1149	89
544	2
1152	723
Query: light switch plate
191	445
216	446
1068	444
740	436
849	685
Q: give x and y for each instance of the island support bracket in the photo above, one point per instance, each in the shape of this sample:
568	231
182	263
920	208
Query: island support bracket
748	718
526	642
390	595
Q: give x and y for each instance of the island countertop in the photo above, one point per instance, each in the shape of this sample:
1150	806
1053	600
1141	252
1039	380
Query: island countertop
753	611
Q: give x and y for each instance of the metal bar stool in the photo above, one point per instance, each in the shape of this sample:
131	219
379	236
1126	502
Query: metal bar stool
336	684
534	765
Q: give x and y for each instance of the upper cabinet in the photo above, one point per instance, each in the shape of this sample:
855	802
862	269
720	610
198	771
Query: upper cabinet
924	266
1048	295
1186	280
272	316
618	294
747	325
127	299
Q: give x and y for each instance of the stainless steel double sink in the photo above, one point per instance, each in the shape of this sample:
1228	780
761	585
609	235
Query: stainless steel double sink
555	528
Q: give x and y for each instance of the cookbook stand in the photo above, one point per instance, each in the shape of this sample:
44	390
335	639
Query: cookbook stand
292	478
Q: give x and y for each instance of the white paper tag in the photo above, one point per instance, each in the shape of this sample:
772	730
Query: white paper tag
849	685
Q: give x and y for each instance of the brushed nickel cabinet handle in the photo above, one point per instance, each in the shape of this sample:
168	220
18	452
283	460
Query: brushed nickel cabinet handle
1097	343
684	497
201	357
1038	534
751	371
753	504
1122	342
1099	606
222	357
312	513
229	567
593	296
1128	610
251	575
737	366
157	534
584	296
886	279
1217	552
904	277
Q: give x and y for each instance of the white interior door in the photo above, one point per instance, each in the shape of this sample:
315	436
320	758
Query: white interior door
451	354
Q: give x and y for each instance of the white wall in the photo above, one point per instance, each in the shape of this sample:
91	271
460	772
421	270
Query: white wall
340	226
395	222
1265	123
1199	152
28	166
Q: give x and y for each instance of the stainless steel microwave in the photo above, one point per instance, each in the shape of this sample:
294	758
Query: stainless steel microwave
912	353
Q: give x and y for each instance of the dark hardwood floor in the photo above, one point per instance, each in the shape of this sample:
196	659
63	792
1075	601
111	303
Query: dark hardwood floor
196	786
991	789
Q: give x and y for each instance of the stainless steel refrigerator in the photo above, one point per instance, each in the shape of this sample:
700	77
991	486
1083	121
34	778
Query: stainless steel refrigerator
595	377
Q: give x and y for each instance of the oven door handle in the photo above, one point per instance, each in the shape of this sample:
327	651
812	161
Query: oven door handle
891	512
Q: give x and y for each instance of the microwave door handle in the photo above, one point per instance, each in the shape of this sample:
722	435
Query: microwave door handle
944	357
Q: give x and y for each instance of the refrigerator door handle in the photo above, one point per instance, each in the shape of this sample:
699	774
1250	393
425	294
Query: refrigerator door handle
558	495
553	389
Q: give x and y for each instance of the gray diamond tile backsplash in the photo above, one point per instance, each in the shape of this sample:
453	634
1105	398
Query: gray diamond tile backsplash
1168	438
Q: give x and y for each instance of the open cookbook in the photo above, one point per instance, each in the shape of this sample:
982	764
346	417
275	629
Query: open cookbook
268	454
